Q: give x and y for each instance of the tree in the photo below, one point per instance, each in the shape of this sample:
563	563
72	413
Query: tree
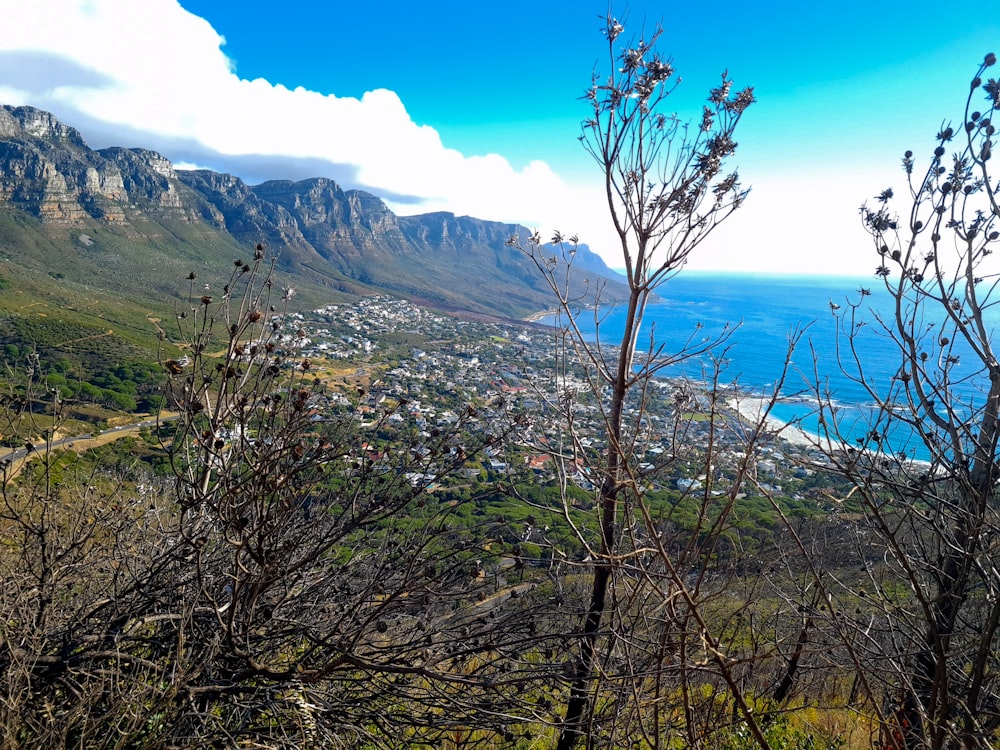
928	639
666	190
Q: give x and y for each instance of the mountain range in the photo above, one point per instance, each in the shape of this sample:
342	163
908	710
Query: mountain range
123	225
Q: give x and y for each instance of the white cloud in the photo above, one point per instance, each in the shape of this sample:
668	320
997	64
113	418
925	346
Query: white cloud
160	70
801	221
152	74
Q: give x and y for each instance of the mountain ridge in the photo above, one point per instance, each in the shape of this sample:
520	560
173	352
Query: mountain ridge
327	239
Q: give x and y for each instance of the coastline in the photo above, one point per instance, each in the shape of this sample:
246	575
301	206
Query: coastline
536	316
750	409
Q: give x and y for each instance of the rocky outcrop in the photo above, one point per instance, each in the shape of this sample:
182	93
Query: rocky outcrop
17	122
47	170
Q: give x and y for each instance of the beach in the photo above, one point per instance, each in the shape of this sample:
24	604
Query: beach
750	409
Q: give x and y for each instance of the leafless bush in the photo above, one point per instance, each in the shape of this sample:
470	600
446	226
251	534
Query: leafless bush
926	642
295	585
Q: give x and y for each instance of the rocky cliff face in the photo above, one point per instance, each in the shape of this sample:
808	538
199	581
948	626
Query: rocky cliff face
230	204
148	179
346	239
47	170
18	122
329	217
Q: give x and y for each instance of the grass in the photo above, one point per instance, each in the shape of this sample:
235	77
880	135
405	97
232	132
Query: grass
102	277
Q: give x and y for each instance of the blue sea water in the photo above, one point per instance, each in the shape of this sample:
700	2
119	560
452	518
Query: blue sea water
766	311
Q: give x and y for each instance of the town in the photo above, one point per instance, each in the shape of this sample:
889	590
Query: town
437	364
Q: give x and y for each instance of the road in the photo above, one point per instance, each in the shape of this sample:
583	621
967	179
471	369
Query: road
12	459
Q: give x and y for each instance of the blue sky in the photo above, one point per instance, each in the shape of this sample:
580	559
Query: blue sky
474	107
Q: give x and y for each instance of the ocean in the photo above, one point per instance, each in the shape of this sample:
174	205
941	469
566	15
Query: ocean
765	311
